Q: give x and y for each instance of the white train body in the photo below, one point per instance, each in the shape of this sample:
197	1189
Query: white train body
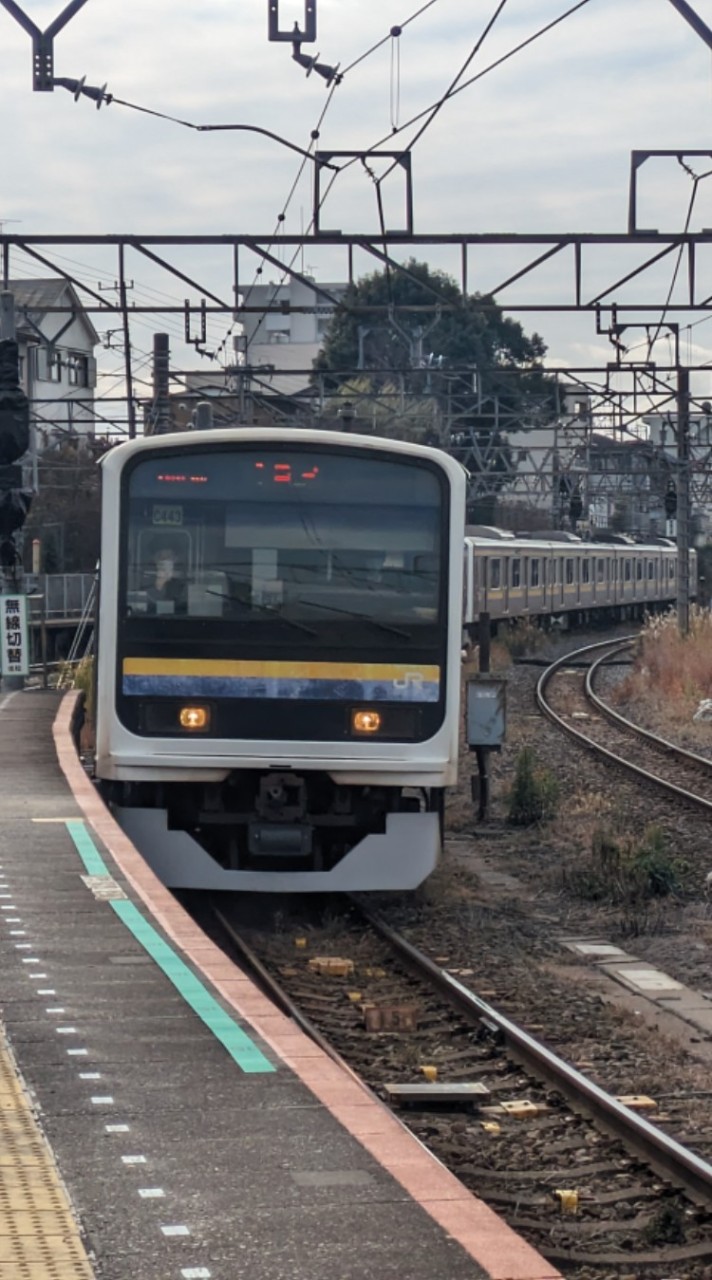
278	684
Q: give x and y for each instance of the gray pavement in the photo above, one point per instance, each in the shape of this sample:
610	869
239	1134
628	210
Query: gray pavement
177	1162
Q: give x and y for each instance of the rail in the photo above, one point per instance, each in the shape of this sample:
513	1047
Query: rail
621	762
667	1157
661	1152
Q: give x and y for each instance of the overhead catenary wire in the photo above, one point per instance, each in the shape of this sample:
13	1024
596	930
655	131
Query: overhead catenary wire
380	43
696	180
306	153
460	88
435	110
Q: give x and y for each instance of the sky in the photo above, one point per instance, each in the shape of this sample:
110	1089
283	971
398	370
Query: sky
540	144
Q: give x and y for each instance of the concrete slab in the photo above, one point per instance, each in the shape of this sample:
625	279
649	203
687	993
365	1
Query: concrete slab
646	979
598	951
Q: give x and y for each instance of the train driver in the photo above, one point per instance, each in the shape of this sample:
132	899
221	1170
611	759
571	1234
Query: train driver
168	589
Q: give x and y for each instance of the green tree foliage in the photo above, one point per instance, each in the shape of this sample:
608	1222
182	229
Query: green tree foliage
419	310
65	511
415	330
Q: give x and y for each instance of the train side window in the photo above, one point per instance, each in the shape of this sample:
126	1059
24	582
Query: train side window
569	571
495	574
516	573
585	571
651	570
534	573
639	570
601	570
671	568
627	570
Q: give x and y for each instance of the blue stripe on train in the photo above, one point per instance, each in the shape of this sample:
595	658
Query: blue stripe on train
411	690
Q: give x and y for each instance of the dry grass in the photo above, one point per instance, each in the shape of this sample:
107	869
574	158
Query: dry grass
672	672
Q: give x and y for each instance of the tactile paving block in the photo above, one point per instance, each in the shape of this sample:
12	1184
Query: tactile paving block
39	1239
40	1271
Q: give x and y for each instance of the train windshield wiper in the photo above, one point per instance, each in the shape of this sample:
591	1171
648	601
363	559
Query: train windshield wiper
265	608
361	617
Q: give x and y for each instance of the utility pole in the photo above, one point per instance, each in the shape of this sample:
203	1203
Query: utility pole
128	371
161	408
683	500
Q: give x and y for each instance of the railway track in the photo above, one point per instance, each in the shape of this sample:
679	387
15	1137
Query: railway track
594	1185
610	735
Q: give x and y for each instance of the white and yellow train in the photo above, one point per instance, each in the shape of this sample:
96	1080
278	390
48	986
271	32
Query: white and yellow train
563	578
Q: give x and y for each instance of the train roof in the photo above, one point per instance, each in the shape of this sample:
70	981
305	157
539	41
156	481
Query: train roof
545	543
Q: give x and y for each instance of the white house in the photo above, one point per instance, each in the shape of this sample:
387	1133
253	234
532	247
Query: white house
56	339
287	339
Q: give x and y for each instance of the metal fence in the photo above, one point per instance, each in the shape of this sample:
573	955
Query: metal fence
65	594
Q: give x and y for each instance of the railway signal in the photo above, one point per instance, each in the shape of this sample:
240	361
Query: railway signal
15	500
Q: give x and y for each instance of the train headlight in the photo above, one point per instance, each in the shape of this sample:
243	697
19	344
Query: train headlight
195	719
366	721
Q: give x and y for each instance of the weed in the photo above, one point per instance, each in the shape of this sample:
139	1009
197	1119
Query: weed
534	795
672	672
625	870
84	680
520	637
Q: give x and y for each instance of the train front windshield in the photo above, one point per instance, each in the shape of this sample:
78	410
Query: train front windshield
276	546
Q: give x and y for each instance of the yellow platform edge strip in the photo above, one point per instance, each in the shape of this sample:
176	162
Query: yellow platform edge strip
39	1236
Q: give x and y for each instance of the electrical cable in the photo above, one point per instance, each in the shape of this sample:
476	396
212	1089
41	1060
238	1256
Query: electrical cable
695	185
395	81
380	43
449	92
473	79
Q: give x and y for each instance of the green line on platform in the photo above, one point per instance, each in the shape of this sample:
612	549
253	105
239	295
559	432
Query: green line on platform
241	1048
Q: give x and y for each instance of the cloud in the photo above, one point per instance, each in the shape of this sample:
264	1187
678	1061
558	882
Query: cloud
540	144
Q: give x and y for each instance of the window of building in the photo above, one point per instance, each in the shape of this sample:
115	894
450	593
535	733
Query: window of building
534	573
54	366
495	573
516	573
77	369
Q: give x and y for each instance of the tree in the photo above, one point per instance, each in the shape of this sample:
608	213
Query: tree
65	512
415	330
418	320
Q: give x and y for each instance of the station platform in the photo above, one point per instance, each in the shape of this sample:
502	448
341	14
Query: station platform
159	1118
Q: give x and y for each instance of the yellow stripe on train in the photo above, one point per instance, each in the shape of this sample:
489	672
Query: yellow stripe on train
277	670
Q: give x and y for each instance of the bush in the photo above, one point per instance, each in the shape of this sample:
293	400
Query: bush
520	637
535	793
84	680
626	870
